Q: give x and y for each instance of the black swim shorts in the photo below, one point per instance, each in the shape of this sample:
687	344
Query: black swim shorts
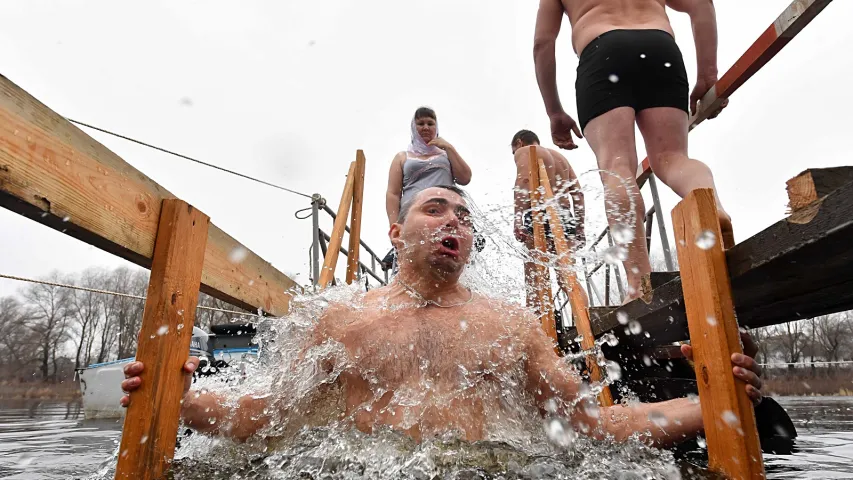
630	68
569	225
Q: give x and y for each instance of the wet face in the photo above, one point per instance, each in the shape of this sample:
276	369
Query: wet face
437	232
426	127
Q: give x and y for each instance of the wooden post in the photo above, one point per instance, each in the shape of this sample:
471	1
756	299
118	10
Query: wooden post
355	222
327	274
569	283
542	278
727	412
151	424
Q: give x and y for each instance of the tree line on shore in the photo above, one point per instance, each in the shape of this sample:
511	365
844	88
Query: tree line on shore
46	331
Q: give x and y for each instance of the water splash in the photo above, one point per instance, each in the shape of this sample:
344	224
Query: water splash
706	239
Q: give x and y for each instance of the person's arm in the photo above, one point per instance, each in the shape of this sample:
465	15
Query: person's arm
549	19
662	423
460	170
521	194
703	18
395	188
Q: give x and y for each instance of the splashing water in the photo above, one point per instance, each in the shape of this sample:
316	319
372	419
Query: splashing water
622	234
706	239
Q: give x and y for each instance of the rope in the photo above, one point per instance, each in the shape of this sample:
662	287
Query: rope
232	172
107	292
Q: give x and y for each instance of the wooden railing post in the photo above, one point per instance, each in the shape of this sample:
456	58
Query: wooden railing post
327	274
727	412
151	425
541	278
355	222
569	283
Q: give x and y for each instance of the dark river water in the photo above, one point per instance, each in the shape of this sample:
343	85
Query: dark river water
49	440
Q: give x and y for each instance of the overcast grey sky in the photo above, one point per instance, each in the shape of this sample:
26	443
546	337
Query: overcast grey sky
288	90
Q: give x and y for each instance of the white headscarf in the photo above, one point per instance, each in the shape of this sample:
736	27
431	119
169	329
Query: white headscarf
419	146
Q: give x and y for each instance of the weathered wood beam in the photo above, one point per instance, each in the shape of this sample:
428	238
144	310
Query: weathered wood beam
727	412
55	174
327	273
151	425
544	304
355	221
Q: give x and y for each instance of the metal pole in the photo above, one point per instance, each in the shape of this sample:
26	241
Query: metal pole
315	245
588	284
616	271
664	242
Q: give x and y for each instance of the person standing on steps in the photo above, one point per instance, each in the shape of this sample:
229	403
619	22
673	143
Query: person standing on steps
631	72
429	161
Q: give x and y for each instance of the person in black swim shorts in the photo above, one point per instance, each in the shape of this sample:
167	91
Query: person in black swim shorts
631	72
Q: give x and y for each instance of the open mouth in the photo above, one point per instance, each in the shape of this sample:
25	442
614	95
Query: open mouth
450	246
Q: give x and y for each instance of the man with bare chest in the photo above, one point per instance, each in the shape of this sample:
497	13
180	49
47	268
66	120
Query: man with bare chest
631	72
427	356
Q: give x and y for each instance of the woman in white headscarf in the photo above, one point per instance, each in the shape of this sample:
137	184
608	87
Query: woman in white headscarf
429	161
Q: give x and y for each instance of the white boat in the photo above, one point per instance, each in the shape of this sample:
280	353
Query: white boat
100	383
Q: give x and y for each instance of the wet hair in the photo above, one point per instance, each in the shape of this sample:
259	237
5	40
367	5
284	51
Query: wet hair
526	136
407	205
425	112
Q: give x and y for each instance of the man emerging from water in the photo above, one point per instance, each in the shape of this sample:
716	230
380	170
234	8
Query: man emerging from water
427	356
631	71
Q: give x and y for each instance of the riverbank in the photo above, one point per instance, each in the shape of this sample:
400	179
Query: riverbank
797	385
65	390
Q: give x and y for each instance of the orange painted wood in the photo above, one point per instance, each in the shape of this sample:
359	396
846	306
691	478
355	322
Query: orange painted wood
151	425
578	298
542	279
355	221
327	274
53	173
727	412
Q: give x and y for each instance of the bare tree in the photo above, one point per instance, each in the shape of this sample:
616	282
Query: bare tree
17	342
790	339
125	313
832	333
48	318
85	309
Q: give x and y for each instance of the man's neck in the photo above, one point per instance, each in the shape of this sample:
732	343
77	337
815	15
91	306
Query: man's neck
434	286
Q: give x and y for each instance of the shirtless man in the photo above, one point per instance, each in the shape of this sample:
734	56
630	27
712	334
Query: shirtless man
562	178
631	71
427	356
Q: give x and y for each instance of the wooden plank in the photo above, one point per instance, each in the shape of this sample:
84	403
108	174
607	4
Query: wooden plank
727	413
544	304
327	273
569	283
815	183
55	174
355	222
151	425
773	275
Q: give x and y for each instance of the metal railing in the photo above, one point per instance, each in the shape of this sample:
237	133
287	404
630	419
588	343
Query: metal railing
320	241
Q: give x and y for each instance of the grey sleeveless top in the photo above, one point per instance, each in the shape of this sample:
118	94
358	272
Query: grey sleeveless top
420	174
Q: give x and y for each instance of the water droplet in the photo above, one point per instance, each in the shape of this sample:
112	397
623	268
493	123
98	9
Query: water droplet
239	332
647	361
611	339
729	417
251	282
613	78
622	317
238	254
622	234
615	254
411	347
211	420
463	325
701	442
693	397
163	330
66	218
551	405
124	452
180	312
712	320
559	432
43	214
635	327
422	242
143	439
658	418
180	326
667	64
614	371
706	239
153	336
642	55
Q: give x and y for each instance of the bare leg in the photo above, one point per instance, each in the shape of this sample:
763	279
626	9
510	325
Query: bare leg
611	137
665	133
